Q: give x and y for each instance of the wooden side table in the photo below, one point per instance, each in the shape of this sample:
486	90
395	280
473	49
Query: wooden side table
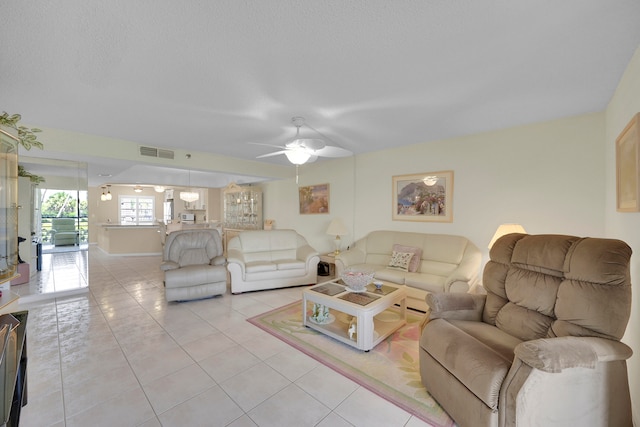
330	259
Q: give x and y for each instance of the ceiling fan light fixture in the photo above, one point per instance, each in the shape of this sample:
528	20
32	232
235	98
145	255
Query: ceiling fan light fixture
297	156
137	189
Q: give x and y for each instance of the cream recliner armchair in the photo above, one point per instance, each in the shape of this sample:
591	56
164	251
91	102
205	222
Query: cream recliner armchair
542	347
193	265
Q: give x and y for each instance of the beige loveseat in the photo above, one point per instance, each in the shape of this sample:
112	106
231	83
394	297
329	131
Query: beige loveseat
542	347
442	262
268	259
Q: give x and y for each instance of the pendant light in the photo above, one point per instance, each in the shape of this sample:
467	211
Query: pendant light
104	197
189	196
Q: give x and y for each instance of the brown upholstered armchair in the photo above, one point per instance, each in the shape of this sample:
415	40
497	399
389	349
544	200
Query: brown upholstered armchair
542	347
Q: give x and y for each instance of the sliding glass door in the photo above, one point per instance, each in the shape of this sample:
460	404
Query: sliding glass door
70	204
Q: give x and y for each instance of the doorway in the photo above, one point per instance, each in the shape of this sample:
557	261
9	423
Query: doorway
63	220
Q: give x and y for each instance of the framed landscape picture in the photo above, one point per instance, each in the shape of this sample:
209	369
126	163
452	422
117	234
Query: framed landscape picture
314	199
628	167
423	197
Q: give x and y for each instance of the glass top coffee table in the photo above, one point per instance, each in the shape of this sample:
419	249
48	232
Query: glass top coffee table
360	319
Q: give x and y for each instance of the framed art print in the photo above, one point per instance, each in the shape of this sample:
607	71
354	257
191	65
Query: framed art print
628	167
314	199
423	197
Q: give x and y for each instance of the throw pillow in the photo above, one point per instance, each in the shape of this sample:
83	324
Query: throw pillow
400	260
414	265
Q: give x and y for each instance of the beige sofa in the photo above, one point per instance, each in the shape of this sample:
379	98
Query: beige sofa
269	259
442	262
542	347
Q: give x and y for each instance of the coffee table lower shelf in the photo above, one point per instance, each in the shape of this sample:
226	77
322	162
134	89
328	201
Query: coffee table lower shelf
372	323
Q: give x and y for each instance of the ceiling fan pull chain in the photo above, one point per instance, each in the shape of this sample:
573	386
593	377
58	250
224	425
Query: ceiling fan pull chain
297	166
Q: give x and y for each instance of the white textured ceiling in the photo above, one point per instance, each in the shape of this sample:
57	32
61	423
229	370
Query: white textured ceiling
213	75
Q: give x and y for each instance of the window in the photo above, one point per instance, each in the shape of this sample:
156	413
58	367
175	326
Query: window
136	210
56	203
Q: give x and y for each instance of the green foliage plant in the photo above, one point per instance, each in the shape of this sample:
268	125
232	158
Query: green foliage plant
36	179
27	136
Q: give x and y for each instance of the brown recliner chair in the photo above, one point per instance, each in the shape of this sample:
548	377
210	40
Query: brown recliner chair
542	347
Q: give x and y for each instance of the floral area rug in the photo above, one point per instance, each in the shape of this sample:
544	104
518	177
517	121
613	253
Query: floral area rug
391	369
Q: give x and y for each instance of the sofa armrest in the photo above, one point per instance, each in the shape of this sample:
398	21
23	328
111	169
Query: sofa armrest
218	260
305	252
453	306
169	265
467	271
556	354
456	306
350	257
234	256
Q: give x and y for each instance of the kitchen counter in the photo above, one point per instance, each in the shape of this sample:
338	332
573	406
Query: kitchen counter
119	239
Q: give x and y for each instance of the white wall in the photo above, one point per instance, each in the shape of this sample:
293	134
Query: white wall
549	177
624	104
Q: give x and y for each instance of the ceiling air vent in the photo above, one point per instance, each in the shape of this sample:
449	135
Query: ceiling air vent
165	154
156	152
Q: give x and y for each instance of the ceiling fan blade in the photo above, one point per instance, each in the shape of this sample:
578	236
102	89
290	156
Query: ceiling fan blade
275	153
331	151
267	145
312	159
312	144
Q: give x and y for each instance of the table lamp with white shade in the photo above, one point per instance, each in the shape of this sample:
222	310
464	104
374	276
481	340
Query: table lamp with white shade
504	229
337	228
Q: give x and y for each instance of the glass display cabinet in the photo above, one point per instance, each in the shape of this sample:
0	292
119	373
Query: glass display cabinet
242	210
8	204
242	207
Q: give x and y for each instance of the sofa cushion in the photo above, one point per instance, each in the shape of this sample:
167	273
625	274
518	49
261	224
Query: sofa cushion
414	264
425	281
444	248
193	256
390	275
258	266
194	275
259	241
290	264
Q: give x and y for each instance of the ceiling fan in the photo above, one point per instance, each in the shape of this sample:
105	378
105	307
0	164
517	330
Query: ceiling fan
302	150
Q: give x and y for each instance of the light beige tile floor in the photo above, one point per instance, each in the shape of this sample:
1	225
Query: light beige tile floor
120	355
